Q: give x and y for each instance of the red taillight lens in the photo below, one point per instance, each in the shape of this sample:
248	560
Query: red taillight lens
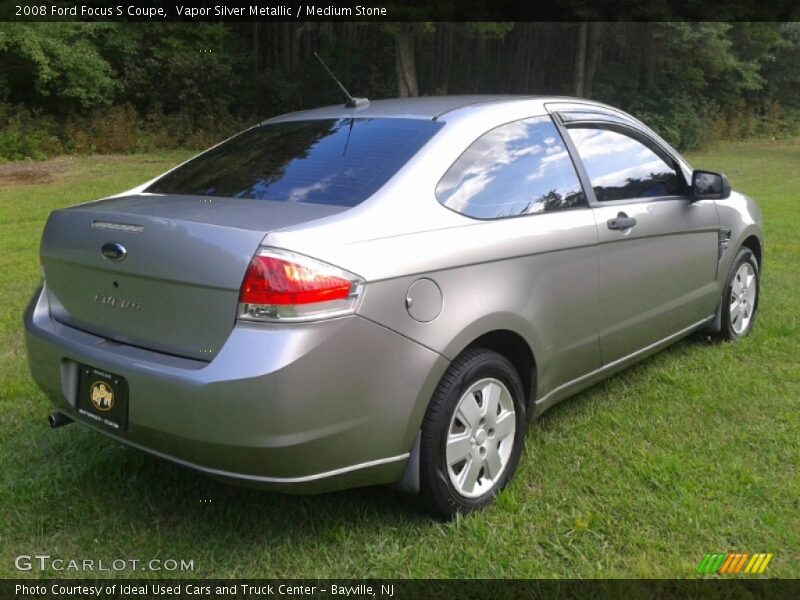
281	285
271	280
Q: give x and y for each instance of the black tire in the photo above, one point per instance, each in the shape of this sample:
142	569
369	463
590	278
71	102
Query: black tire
730	330
438	494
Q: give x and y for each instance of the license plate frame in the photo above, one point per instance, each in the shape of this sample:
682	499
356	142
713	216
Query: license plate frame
102	397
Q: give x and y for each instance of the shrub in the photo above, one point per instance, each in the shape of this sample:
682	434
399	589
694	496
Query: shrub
181	130
108	130
27	134
682	121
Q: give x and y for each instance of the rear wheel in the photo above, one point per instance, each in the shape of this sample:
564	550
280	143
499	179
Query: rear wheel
740	297
472	435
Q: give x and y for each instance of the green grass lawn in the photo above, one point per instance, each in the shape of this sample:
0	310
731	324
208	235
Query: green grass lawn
695	450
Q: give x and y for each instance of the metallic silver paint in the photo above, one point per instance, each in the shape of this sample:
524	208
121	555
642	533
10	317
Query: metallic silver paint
339	403
424	300
253	412
659	276
184	266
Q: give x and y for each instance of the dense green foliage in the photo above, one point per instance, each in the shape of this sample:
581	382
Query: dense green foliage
695	450
116	87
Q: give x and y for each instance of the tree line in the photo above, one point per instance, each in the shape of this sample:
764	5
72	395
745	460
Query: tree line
129	86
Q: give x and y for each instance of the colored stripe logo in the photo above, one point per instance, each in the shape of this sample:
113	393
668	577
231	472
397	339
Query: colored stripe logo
734	563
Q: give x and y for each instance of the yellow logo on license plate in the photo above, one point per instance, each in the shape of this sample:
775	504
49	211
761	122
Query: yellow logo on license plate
102	396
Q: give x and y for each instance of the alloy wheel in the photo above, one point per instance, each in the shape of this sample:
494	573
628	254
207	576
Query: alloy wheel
480	437
743	298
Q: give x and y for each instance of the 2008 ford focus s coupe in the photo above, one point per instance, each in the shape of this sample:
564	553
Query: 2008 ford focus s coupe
343	297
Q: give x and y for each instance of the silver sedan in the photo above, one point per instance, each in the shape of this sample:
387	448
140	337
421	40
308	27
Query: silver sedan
385	294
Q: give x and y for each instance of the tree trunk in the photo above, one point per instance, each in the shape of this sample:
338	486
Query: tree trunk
404	61
480	46
296	35
272	34
650	58
646	57
286	46
448	58
593	50
531	37
309	28
256	45
579	73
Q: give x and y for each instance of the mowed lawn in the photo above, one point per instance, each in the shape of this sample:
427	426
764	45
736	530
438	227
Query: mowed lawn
695	450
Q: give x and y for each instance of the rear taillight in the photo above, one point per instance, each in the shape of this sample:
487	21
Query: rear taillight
284	286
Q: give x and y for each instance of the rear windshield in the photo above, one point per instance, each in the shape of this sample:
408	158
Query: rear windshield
327	161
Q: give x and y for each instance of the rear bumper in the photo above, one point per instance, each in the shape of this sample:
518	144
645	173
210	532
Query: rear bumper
305	407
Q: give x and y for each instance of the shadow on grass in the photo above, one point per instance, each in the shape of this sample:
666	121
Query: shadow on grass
85	484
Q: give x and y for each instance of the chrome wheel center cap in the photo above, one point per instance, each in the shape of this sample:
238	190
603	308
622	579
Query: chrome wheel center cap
480	438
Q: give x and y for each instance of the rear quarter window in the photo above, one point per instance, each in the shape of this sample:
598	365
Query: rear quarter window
516	169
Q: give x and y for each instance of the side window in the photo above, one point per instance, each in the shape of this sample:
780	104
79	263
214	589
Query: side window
622	168
516	169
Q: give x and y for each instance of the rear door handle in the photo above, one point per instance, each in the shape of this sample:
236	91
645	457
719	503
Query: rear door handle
621	221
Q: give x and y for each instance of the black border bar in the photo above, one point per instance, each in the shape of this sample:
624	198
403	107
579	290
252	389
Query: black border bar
399	10
400	589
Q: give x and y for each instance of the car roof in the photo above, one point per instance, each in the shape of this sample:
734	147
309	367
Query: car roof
424	107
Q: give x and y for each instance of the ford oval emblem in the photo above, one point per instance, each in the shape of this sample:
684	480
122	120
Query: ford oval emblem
114	251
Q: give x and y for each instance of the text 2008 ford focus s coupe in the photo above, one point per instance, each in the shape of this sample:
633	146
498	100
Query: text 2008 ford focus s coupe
343	297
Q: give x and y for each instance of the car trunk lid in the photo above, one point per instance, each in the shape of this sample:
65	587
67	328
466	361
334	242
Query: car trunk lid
176	288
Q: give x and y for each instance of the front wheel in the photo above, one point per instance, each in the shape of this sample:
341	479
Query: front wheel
740	297
472	434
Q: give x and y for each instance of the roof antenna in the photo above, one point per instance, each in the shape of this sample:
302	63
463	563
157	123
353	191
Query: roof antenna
350	102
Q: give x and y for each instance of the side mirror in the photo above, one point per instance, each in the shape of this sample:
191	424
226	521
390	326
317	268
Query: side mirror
708	185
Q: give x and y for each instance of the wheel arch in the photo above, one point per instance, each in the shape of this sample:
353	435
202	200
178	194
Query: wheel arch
751	241
516	349
754	244
511	336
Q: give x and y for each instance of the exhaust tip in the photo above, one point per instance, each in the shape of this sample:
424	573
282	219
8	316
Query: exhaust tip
58	419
